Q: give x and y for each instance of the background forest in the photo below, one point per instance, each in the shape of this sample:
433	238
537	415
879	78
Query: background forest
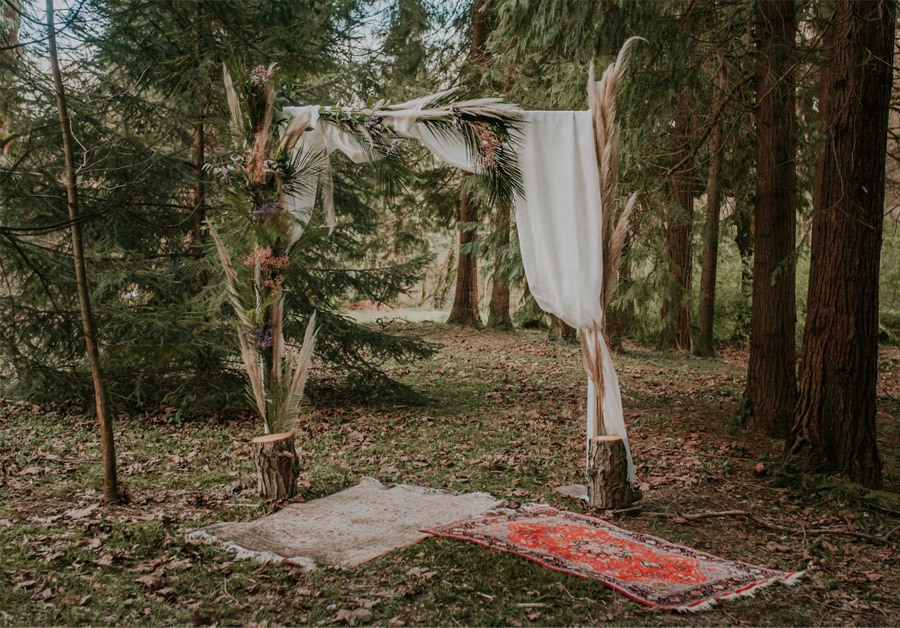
148	112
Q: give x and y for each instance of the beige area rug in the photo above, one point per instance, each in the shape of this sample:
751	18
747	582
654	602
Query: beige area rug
348	528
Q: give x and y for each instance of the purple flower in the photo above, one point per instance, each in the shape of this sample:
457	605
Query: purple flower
395	144
287	187
265	211
260	337
372	123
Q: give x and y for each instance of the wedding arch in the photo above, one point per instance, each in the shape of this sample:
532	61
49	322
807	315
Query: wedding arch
557	168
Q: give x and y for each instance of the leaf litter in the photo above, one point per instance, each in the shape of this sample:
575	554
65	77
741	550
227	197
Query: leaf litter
503	416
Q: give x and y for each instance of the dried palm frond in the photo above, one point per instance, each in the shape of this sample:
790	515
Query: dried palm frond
253	368
234	106
276	317
249	356
302	360
231	280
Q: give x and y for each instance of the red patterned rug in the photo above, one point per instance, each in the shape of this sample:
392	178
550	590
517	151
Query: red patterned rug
647	569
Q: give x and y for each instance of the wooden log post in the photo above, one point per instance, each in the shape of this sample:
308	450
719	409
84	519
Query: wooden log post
607	473
277	465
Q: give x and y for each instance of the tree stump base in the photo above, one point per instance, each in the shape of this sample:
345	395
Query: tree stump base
277	465
607	474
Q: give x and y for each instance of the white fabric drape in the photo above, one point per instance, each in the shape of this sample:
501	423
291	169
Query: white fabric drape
559	222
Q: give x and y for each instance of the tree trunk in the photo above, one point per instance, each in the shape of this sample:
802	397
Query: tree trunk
607	474
561	332
199	149
710	259
10	38
107	445
465	309
743	239
199	192
619	319
465	302
675	312
771	392
834	430
498	313
277	465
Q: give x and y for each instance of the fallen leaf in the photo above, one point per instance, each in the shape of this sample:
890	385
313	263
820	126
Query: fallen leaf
152	581
351	617
421	572
874	577
81	513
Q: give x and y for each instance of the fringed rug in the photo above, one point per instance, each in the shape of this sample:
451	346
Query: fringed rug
647	569
348	528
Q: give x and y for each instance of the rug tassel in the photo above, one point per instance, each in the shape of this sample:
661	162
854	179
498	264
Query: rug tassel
789	580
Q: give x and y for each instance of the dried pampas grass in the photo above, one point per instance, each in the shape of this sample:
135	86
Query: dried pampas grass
602	96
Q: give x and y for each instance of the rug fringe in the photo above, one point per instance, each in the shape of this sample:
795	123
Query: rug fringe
241	553
790	580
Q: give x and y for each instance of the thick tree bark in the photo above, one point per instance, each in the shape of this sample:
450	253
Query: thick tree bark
620	317
277	465
771	392
709	261
10	37
561	332
498	313
107	445
465	302
834	429
199	192
607	474
743	239
199	150
675	312
465	309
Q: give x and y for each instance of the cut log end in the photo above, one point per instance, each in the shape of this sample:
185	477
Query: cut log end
607	474
277	465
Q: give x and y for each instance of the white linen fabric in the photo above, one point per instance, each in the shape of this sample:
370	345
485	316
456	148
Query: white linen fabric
559	222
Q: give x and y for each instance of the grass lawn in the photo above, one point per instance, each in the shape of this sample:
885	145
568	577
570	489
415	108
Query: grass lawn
505	415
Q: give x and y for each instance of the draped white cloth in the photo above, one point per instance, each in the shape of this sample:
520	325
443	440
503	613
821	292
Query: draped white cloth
558	220
560	235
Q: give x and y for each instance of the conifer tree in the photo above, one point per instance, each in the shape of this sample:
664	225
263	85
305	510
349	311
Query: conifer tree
143	95
834	429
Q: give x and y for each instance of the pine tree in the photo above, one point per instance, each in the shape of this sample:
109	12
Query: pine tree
834	429
771	377
144	100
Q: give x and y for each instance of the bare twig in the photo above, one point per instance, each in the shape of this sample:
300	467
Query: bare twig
683	518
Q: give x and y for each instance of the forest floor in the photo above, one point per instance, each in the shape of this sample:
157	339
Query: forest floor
503	415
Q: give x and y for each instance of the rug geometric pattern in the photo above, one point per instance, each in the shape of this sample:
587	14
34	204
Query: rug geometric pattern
647	569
